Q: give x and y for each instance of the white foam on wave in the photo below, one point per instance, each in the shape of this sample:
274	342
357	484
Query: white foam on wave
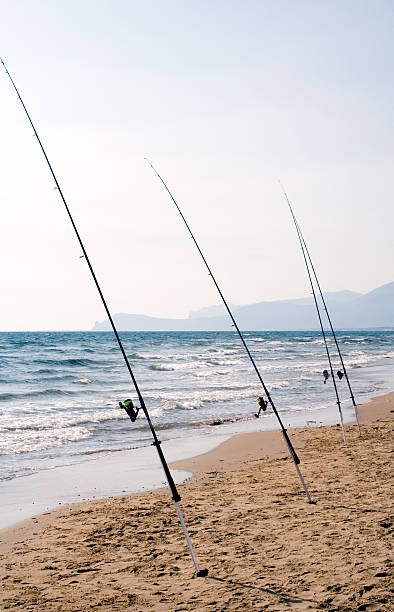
47	422
35	441
224	362
172	367
356	359
156	412
200	397
185	404
209	372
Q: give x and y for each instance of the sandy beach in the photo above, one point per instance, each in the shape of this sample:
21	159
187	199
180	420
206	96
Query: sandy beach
264	546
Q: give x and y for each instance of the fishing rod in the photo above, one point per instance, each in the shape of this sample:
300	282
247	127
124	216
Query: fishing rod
129	409
290	447
301	238
320	322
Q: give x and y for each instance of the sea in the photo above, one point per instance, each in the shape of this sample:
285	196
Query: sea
60	391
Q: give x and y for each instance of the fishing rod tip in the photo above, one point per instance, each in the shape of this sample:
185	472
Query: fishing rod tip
281	186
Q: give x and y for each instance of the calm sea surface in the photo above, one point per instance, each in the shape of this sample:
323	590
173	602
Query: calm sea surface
59	392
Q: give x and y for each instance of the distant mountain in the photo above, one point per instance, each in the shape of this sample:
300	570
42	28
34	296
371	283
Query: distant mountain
348	309
330	297
375	309
211	311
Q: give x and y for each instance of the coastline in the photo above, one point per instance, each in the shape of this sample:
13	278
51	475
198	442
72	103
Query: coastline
103	475
265	547
269	444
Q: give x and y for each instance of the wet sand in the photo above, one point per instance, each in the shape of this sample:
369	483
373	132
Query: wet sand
265	547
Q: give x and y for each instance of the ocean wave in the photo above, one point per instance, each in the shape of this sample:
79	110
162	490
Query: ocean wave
53	378
232	419
44	393
110	450
190	404
71	361
54	421
45	371
224	362
171	367
356	359
59	436
211	372
4	397
213	395
281	343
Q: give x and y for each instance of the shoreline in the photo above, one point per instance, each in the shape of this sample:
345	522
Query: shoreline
241	447
102	477
110	475
128	549
233	450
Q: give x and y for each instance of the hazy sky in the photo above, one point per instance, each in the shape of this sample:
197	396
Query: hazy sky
225	97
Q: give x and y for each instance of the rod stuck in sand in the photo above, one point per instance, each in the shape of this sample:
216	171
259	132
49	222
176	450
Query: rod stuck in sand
290	447
309	267
156	442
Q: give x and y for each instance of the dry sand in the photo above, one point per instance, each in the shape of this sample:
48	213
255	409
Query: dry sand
265	547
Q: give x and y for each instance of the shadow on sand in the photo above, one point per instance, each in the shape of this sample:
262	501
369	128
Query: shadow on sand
283	598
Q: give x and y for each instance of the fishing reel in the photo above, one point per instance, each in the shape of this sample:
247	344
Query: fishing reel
326	375
130	409
263	406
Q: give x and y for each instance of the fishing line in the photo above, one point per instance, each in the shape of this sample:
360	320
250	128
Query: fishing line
156	442
290	447
305	250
